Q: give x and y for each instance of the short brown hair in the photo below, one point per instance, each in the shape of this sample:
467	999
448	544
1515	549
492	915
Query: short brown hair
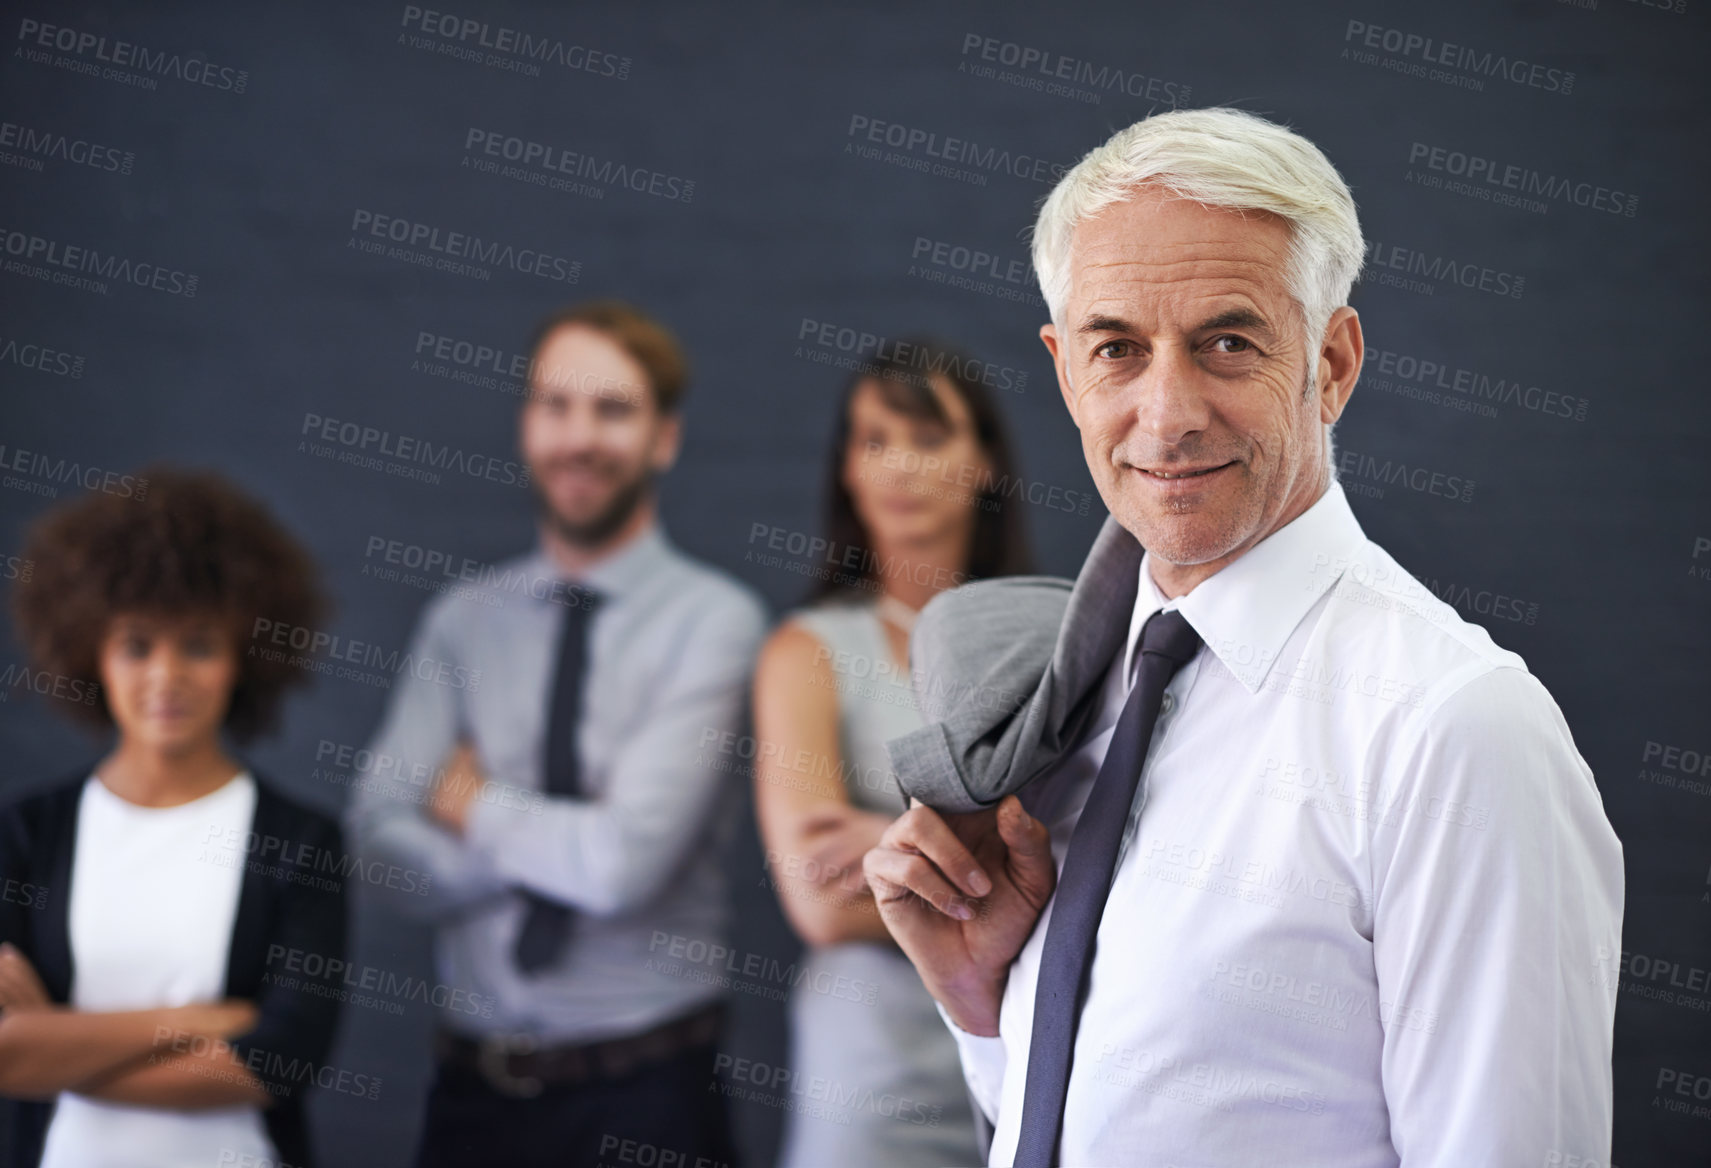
654	347
192	543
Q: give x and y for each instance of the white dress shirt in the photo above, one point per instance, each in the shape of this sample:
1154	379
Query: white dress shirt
1357	917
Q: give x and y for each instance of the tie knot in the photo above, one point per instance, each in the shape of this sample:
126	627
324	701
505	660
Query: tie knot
1168	634
584	598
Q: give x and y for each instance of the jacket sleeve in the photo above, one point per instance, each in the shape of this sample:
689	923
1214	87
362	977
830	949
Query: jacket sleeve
288	1048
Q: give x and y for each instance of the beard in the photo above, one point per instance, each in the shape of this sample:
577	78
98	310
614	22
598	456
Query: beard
606	522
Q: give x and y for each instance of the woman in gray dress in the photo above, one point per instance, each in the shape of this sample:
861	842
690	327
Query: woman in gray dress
917	473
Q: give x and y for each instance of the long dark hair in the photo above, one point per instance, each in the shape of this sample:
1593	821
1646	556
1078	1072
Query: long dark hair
999	546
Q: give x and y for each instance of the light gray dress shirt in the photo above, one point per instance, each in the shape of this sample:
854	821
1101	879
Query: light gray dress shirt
671	651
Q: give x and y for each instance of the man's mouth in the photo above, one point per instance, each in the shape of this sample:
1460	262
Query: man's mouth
1181	474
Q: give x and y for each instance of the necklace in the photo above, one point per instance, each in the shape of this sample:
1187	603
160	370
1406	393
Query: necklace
898	613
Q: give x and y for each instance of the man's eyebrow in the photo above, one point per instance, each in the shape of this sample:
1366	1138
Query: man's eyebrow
1238	318
1104	324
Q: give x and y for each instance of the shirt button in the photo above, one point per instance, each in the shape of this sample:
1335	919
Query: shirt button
1168	704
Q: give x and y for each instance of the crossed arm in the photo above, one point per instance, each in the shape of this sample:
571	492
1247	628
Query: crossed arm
170	1057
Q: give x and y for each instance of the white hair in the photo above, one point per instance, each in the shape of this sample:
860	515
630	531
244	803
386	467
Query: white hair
1222	158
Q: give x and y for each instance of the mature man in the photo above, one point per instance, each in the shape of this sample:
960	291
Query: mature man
605	657
1304	869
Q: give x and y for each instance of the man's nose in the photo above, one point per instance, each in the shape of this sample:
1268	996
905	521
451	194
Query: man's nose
1169	402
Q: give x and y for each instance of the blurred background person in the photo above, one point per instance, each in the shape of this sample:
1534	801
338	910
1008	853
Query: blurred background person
139	1015
916	472
579	818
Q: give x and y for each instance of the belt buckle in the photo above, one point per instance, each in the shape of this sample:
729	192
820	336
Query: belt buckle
495	1050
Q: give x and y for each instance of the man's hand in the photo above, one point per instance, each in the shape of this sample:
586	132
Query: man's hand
924	872
459	781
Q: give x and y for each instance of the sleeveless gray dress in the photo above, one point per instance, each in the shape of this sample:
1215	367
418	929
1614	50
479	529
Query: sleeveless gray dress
875	1075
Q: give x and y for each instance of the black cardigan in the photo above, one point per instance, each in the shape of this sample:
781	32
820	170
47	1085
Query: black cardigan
278	904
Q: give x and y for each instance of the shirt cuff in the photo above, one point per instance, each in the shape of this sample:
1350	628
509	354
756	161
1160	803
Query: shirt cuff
489	821
982	1063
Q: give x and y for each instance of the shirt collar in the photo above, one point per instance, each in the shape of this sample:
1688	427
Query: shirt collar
616	575
1246	610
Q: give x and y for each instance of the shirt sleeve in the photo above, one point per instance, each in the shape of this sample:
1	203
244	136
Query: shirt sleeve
296	1017
1497	912
387	818
983	1061
607	855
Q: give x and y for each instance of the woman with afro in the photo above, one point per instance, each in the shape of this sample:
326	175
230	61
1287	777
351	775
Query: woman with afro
153	899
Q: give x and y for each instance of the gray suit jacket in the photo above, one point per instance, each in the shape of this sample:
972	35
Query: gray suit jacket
1008	672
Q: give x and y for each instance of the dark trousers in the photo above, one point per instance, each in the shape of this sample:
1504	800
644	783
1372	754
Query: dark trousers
671	1112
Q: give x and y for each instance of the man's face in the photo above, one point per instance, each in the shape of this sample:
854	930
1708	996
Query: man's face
1181	354
592	434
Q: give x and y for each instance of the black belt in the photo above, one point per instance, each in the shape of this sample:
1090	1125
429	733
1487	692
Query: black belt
518	1065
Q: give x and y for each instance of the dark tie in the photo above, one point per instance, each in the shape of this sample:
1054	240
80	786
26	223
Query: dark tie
546	927
1167	644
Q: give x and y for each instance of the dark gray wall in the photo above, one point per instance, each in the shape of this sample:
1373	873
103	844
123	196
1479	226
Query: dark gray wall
1584	542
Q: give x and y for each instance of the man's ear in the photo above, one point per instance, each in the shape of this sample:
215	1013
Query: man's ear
1340	362
668	439
1060	365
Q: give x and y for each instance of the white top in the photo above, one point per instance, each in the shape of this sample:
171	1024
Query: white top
1366	900
154	895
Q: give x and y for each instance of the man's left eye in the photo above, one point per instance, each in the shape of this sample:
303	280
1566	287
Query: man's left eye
1242	341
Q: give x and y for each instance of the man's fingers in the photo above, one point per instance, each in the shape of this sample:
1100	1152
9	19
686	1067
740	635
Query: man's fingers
892	874
1030	846
921	830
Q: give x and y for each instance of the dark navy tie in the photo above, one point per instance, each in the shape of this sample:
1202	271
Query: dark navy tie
1167	644
546	927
